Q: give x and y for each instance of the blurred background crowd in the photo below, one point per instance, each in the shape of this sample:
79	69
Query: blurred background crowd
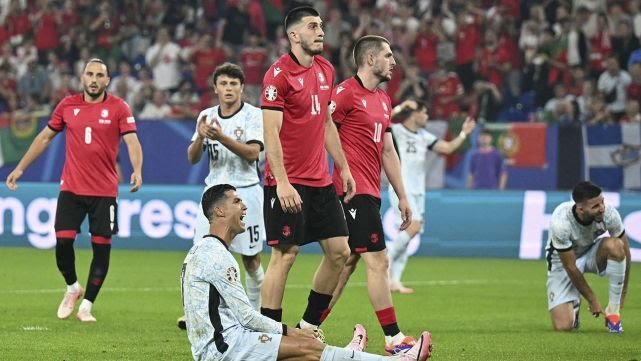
498	60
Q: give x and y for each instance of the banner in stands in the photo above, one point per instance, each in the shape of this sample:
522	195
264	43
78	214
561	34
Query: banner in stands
509	224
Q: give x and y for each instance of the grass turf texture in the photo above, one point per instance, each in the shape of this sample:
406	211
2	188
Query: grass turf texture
476	309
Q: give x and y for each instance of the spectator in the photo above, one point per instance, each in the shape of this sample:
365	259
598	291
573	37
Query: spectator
600	46
598	112
184	102
445	92
484	102
164	60
487	167
624	42
130	83
634	9
468	38
206	56
45	22
157	108
589	93
492	62
253	60
613	83
34	82
632	112
425	45
233	26
413	85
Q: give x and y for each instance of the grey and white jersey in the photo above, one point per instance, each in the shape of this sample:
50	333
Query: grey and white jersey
214	300
245	126
412	150
566	232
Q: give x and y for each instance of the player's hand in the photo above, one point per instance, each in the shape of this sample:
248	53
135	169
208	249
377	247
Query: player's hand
349	185
289	198
209	130
468	125
406	213
297	332
12	178
136	182
595	308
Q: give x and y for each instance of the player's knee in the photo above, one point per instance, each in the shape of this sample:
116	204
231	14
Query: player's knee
339	256
614	247
562	326
251	263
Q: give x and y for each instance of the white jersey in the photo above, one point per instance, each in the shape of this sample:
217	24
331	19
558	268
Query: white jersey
412	150
215	303
566	232
245	126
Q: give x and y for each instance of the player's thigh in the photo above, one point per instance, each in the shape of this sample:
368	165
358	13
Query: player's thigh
324	217
364	224
70	212
251	241
560	289
103	216
282	229
252	345
562	316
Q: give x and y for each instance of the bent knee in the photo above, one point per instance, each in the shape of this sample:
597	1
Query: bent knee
614	247
562	326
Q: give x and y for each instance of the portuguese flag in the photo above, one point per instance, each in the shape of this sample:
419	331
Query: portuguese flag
522	144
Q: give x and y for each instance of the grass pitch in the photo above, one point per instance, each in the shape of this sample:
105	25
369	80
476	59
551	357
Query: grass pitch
476	309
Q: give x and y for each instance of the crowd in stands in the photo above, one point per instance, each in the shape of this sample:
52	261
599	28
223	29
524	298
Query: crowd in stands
498	60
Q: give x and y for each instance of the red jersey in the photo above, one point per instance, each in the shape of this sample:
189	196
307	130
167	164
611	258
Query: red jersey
93	136
425	49
444	88
363	117
302	94
467	39
253	62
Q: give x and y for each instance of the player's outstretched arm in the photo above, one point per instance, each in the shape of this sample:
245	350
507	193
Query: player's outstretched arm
335	150
135	157
37	147
445	147
392	167
288	197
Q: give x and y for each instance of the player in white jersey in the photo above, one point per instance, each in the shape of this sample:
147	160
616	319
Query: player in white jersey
575	246
221	323
412	142
232	136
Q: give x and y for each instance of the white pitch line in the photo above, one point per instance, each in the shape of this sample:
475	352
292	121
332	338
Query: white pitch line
290	286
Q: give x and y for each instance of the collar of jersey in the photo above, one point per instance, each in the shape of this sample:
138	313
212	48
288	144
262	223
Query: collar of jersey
576	216
218	238
220	115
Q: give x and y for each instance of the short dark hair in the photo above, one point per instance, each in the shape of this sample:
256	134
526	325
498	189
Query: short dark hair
295	15
420	106
97	60
367	44
584	191
213	196
231	70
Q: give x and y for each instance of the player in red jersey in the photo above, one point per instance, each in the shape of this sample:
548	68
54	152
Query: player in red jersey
301	205
95	121
363	112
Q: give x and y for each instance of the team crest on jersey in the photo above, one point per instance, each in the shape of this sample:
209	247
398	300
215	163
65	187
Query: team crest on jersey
551	296
232	274
264	338
287	231
373	238
104	113
364	102
321	79
238	133
271	93
332	107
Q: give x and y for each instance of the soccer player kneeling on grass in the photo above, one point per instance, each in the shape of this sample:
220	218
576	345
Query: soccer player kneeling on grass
575	247
221	323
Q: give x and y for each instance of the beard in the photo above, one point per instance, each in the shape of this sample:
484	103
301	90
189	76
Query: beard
94	94
309	50
381	76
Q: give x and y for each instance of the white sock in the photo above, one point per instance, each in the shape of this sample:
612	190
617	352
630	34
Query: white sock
399	246
332	353
395	340
615	271
397	267
85	305
253	282
75	287
304	325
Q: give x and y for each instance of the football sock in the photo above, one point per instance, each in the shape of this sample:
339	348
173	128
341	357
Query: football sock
317	305
387	319
98	270
66	259
73	288
85	305
615	271
333	353
394	340
400	245
276	315
253	281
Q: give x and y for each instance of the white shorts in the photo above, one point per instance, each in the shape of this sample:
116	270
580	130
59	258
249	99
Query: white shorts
417	204
560	287
251	241
245	344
